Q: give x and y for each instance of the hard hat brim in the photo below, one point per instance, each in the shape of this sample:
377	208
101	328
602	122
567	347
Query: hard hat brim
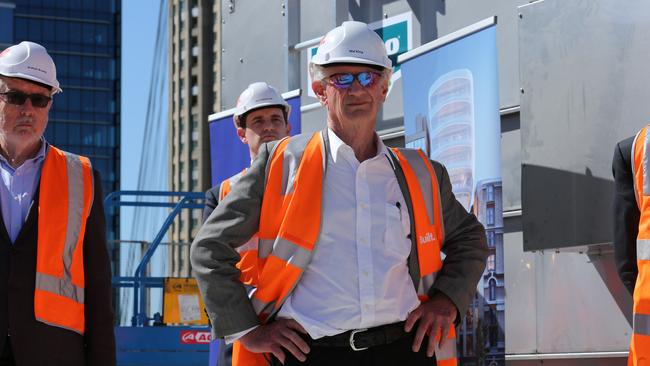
19	75
349	60
286	107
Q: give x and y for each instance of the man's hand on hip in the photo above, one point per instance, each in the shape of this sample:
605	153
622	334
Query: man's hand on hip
273	337
435	316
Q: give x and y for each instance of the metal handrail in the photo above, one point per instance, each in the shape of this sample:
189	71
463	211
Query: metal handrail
187	200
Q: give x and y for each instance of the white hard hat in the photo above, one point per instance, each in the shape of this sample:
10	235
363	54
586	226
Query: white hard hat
29	60
258	95
352	42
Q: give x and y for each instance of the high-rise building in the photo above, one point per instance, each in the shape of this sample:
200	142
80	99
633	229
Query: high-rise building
194	47
83	38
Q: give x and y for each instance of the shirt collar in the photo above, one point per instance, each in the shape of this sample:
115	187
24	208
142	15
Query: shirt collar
38	158
336	144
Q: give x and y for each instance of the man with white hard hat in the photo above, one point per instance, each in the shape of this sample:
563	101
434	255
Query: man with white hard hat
261	116
351	235
55	277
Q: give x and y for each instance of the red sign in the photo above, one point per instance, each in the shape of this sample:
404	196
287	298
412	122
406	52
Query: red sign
195	337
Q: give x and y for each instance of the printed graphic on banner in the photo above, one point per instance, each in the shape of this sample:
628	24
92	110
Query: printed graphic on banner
397	33
451	112
228	155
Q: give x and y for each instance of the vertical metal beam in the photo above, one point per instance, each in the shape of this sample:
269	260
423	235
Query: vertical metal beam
342	11
291	11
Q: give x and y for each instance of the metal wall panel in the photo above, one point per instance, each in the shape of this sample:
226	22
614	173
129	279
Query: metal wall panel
453	15
521	292
511	161
253	45
256	40
585	81
563	302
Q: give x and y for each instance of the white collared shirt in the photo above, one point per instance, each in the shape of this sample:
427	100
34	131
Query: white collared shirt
358	276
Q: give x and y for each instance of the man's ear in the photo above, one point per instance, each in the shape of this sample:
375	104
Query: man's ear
241	133
384	90
319	89
288	127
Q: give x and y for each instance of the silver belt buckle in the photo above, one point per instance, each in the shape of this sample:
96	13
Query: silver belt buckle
352	333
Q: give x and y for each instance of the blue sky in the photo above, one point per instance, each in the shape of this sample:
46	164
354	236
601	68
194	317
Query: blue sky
139	25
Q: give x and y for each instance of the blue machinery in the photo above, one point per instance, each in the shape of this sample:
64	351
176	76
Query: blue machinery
141	344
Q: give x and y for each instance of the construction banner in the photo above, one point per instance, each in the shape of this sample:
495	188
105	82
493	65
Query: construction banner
182	303
228	155
451	112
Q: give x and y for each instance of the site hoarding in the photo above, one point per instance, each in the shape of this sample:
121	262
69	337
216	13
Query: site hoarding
451	112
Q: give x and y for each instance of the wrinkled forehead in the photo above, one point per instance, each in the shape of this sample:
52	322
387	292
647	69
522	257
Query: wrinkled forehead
349	68
23	85
266	112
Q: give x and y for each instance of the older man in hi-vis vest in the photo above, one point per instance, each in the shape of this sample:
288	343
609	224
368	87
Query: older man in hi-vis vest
56	306
351	235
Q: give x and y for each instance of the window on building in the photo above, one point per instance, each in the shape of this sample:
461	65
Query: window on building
491	263
494	329
492	289
6	25
490	193
490	215
490	238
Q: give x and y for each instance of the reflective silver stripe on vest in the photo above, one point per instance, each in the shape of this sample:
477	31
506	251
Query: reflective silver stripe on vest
59	286
252	244
285	250
646	181
422	173
260	306
425	283
64	286
643	249
265	247
448	351
291	160
642	324
75	209
633	167
292	253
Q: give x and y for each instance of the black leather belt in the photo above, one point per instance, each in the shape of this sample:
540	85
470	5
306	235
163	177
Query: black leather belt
360	339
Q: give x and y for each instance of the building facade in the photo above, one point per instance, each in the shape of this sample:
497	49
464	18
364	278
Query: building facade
83	38
194	46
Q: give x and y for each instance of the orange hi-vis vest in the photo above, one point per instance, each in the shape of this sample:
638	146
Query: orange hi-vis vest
640	344
290	222
65	199
247	264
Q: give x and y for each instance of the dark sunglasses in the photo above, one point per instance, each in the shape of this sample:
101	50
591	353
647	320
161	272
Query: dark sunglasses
345	80
19	98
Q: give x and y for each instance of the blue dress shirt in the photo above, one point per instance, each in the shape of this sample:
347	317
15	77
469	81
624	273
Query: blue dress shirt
17	190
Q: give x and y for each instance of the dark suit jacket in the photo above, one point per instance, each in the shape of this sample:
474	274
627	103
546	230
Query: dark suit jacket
35	343
224	358
211	201
626	214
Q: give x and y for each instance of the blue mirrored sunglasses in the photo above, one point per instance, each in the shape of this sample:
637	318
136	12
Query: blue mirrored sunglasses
345	80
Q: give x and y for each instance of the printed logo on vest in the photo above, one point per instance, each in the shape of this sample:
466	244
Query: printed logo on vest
195	337
427	238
